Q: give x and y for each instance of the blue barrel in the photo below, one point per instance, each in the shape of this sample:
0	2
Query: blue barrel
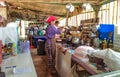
36	38
104	30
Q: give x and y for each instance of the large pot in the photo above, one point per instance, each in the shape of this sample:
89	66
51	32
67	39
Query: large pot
75	40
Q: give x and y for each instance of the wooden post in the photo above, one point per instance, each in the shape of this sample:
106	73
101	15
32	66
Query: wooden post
76	17
113	13
96	8
20	27
117	13
67	16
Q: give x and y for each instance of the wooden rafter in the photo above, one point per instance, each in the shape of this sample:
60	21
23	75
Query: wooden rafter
49	7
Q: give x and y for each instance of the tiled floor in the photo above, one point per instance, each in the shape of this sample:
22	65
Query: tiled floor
40	63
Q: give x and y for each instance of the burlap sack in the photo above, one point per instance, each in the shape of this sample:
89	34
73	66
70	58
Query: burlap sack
73	72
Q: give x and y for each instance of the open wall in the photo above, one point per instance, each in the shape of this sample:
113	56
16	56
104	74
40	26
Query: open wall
108	14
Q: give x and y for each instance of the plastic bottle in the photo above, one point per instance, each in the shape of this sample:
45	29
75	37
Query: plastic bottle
14	49
62	35
104	43
100	42
110	45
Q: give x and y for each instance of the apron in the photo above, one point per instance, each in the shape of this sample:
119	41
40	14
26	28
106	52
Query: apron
51	51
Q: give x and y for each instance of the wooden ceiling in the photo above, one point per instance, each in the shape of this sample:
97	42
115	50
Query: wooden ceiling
46	7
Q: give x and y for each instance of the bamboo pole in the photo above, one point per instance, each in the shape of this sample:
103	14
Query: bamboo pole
67	15
109	14
113	13
117	13
76	18
20	27
101	16
105	14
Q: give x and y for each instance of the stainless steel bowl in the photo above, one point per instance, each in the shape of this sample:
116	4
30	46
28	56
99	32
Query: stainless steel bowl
75	40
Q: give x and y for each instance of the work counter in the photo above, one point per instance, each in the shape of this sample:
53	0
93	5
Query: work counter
64	59
110	74
23	66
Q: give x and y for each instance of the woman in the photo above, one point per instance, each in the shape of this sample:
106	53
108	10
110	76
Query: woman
51	31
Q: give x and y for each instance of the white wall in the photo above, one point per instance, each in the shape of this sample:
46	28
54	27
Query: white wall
117	38
117	30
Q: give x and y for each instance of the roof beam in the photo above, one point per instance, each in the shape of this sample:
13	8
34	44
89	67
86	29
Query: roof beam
44	8
37	11
54	1
33	0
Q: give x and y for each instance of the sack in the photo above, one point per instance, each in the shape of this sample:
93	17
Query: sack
85	50
112	59
73	72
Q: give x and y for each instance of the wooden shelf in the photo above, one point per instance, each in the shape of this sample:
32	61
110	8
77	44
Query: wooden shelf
87	26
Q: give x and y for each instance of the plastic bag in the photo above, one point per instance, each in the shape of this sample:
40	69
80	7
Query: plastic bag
73	72
112	59
100	53
84	50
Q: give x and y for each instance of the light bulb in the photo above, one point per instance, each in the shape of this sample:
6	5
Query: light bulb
86	6
2	3
67	6
70	7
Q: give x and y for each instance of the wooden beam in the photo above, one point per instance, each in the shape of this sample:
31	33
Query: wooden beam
43	8
54	1
106	1
10	0
33	1
36	13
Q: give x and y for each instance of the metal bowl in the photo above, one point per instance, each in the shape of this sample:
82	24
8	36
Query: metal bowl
75	40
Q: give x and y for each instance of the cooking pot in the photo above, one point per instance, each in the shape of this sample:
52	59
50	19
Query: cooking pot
69	38
75	40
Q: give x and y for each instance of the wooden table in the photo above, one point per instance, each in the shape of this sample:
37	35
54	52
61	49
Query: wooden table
63	62
87	66
110	74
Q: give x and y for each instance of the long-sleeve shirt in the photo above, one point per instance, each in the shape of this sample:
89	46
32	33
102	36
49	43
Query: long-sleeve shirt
50	33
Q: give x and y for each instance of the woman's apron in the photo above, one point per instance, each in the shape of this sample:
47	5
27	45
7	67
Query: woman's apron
51	51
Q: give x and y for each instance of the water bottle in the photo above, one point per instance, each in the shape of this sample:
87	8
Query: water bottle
104	43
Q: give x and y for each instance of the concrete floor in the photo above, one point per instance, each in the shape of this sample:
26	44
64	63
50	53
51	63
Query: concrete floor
40	63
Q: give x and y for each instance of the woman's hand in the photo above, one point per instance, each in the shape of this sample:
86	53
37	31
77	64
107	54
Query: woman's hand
62	29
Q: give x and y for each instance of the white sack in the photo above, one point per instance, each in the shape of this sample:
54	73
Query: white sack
100	53
10	34
110	57
85	49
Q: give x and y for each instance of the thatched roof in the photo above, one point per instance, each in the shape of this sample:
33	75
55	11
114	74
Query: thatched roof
41	8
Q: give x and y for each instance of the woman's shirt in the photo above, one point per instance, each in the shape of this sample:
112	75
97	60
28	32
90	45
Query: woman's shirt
50	33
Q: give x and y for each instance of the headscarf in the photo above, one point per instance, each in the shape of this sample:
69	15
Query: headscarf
51	18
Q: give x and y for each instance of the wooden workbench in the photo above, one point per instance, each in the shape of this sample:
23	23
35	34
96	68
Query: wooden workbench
64	65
